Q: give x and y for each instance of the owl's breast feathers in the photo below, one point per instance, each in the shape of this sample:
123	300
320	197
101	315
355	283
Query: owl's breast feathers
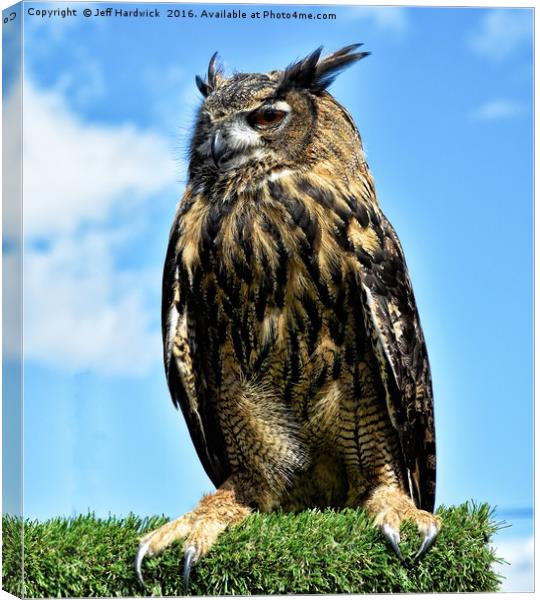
291	285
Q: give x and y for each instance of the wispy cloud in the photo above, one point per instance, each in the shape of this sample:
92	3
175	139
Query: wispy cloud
82	310
85	85
81	313
519	574
77	171
498	109
503	32
389	18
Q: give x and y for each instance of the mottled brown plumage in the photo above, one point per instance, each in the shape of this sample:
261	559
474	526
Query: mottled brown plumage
292	341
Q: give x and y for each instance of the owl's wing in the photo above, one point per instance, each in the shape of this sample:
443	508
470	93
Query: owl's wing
184	368
393	324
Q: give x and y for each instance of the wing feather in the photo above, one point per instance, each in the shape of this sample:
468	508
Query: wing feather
183	368
392	320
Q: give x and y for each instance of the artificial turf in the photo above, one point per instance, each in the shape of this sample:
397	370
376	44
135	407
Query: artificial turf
312	552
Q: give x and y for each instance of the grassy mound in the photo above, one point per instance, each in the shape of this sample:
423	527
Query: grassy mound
307	553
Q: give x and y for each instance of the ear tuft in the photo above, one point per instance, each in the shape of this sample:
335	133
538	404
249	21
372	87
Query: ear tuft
214	75
203	87
315	74
302	73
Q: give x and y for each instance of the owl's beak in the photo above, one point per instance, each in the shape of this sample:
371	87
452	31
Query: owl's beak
218	147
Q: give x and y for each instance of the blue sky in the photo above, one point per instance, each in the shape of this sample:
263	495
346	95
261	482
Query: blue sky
444	106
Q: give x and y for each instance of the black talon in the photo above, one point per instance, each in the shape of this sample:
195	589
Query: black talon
189	559
392	538
427	542
397	550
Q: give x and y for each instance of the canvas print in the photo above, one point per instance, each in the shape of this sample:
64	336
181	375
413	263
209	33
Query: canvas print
267	299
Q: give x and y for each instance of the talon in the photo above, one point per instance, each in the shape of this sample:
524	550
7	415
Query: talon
141	553
189	560
393	538
427	542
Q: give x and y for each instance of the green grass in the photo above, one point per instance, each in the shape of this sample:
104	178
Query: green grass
306	553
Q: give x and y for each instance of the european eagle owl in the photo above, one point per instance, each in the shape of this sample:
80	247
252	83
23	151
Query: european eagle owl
292	341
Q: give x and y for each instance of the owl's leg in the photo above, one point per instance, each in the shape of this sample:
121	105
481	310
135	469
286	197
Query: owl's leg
199	528
389	506
373	457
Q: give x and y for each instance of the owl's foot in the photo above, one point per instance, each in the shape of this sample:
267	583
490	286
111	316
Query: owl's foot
390	506
199	528
156	541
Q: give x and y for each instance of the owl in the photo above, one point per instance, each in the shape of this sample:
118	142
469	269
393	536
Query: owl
292	341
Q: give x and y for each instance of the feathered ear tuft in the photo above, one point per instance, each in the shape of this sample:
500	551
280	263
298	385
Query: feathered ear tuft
215	74
315	74
302	73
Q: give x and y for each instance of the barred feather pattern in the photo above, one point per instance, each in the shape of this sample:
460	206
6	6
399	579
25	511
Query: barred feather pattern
292	339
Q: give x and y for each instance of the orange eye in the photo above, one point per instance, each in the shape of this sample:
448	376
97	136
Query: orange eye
266	117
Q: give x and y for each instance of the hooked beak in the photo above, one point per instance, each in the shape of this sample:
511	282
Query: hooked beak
217	147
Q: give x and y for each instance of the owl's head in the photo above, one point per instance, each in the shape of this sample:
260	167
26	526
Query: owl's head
273	120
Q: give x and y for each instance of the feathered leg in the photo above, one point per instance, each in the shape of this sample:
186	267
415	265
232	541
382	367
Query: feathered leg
377	477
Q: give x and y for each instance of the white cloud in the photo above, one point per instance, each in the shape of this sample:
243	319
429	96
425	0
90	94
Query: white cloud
502	32
83	312
519	574
76	171
85	85
498	109
389	18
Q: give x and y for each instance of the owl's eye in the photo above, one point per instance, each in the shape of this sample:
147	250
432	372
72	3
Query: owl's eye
266	117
